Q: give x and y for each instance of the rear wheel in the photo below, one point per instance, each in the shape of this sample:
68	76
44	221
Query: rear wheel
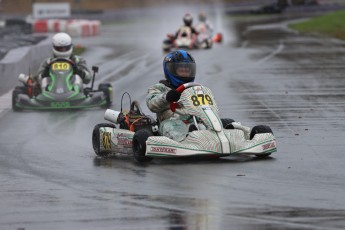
108	92
167	45
260	129
18	90
166	50
96	139
208	44
227	123
139	145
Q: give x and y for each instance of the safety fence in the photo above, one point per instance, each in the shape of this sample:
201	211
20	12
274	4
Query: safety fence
74	27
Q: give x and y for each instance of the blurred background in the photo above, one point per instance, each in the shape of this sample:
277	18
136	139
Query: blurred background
281	63
20	16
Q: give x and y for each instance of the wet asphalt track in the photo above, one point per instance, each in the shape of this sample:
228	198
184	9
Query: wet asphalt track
50	177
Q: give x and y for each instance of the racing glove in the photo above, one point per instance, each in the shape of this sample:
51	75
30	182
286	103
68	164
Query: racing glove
45	73
80	72
173	96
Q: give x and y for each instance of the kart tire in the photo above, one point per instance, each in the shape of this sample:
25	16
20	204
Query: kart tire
139	145
227	123
260	129
18	90
107	89
96	139
167	42
166	49
167	45
208	45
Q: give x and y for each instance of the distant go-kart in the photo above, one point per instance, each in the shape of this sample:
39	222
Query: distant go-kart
205	37
136	134
186	40
61	93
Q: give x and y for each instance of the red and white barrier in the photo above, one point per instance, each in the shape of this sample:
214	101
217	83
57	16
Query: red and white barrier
96	27
40	26
76	28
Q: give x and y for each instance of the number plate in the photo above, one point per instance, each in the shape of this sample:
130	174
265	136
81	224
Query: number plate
61	66
60	104
201	99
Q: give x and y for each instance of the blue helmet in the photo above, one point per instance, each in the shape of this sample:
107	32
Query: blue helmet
179	68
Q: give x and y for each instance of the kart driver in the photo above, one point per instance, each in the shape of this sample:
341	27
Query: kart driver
204	23
179	68
187	27
63	48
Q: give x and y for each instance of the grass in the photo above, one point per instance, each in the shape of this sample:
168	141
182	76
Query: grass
78	49
332	24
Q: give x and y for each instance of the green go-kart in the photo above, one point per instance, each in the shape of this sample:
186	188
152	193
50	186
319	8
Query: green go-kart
61	93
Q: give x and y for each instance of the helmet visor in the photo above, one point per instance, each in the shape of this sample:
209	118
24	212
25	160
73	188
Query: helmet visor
62	48
182	70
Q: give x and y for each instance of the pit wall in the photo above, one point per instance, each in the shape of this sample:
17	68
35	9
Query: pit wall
22	60
28	59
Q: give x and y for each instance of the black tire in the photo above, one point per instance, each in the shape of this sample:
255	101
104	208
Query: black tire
260	129
18	90
227	123
208	45
263	155
96	139
107	89
167	45
167	42
139	145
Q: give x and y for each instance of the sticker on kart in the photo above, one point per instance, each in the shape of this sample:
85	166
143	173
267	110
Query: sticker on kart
269	146
106	140
61	66
163	150
201	99
123	140
59	104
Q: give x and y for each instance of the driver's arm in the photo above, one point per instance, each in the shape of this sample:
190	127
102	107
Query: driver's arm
82	70
194	30
156	98
43	71
177	32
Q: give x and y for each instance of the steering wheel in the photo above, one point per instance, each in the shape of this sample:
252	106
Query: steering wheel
73	64
181	88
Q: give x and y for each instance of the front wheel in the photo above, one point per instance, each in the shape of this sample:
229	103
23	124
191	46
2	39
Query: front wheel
96	139
167	45
227	123
18	90
139	145
260	129
108	92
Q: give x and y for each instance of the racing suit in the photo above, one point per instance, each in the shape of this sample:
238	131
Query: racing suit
205	27
183	28
171	124
81	70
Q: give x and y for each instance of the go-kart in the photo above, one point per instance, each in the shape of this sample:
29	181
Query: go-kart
62	92
205	37
209	135
186	40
